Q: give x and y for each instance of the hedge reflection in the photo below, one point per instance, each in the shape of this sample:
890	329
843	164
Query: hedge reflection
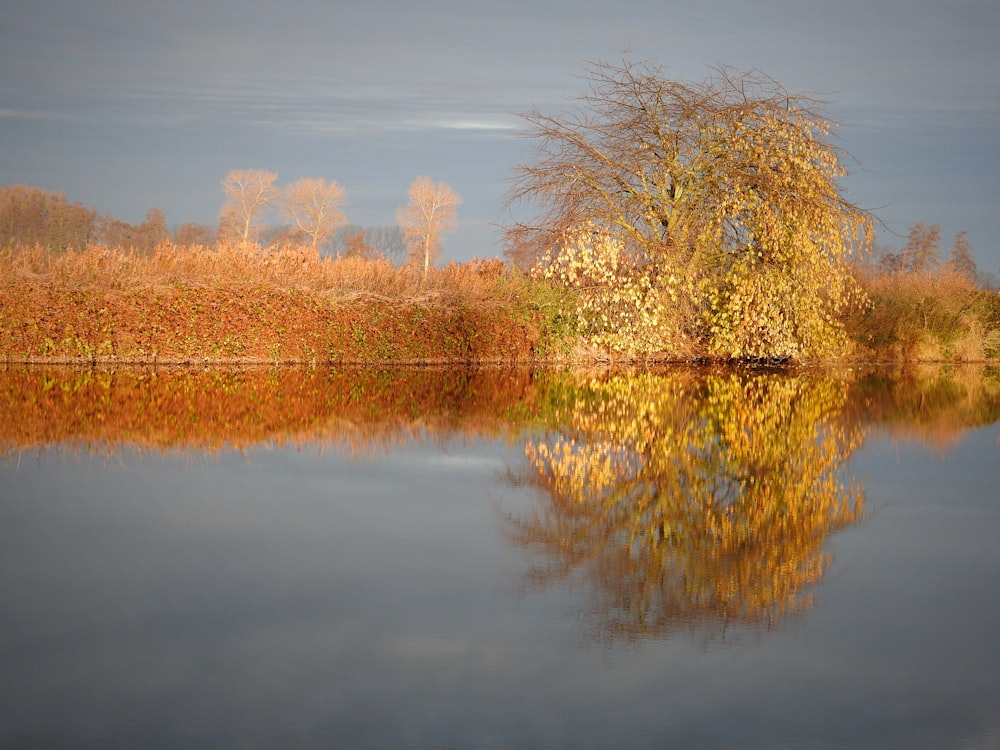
356	411
692	501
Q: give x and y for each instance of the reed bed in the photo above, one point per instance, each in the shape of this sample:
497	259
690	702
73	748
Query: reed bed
933	316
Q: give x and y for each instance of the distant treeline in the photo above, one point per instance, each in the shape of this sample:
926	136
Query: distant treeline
921	254
33	217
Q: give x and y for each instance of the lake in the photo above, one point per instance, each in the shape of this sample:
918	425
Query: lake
442	558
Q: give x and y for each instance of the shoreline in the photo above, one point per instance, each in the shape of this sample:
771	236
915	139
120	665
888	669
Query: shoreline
105	362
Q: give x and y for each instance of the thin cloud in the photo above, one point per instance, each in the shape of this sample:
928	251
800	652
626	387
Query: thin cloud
8	113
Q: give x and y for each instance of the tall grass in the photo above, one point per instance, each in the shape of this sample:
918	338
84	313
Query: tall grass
287	267
937	315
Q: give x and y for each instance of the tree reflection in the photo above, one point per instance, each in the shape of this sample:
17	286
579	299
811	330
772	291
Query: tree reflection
692	501
930	404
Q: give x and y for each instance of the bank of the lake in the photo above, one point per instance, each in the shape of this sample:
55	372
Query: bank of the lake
183	306
232	307
184	324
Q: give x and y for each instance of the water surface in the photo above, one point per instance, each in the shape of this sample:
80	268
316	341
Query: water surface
500	559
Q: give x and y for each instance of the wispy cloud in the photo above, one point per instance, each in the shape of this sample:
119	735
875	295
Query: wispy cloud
9	113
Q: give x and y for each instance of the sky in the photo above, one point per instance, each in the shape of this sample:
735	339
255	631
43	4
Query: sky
128	105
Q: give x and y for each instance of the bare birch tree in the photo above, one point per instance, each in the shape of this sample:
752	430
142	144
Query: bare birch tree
314	207
430	212
248	192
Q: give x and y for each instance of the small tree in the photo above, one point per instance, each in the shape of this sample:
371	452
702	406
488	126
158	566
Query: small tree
248	192
729	184
314	206
920	253
430	212
192	233
116	233
372	242
960	258
356	246
152	231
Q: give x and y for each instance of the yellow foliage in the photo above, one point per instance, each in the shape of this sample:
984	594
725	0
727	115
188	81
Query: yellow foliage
689	499
622	306
706	217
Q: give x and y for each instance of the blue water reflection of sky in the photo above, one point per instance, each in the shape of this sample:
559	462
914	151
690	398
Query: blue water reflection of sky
294	597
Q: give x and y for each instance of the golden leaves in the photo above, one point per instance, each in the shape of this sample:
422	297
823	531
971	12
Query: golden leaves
734	177
685	498
622	306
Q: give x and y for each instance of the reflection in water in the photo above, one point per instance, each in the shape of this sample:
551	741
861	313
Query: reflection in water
933	405
286	597
692	501
185	409
683	499
362	410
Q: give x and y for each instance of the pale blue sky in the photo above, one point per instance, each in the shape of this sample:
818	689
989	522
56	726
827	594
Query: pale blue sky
127	105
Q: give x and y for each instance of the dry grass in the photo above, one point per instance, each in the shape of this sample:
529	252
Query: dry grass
283	267
934	316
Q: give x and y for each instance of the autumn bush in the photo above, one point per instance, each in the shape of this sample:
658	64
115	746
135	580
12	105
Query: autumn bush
239	303
621	308
930	315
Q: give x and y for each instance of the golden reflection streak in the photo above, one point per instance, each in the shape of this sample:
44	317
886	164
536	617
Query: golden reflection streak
689	501
933	405
360	412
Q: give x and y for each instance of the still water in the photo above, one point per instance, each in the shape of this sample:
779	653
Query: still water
500	559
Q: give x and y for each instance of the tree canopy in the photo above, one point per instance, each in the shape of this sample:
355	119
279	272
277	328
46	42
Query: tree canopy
725	189
314	207
31	216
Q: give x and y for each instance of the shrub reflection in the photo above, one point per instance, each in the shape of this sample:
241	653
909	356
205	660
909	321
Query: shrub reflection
679	499
358	411
692	501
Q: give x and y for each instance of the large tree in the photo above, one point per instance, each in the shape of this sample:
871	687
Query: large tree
248	192
314	207
727	187
430	212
